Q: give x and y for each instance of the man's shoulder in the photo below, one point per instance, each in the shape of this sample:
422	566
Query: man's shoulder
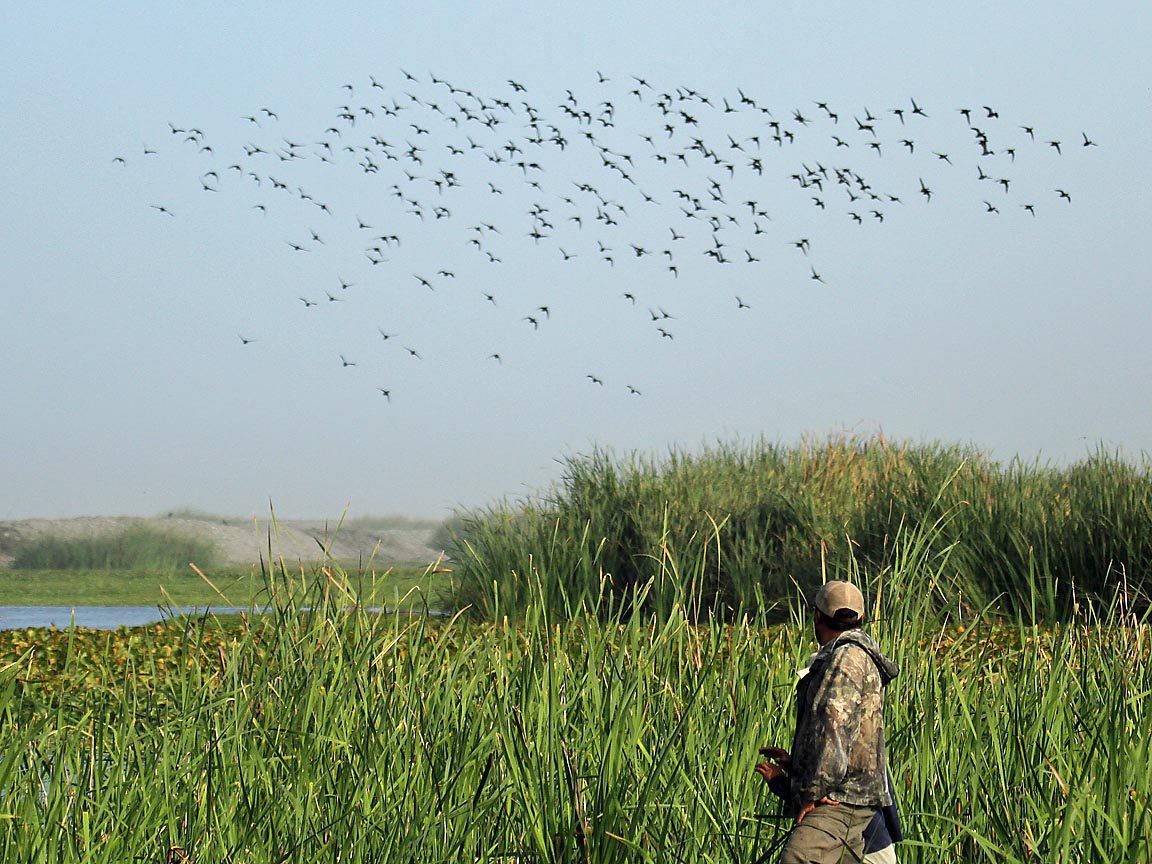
853	660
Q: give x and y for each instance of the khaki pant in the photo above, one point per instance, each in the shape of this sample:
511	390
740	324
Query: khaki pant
830	834
887	855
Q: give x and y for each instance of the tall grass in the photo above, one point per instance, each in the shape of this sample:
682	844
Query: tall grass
137	547
329	734
763	520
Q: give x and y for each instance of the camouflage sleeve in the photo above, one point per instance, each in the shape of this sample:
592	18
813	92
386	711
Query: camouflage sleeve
835	722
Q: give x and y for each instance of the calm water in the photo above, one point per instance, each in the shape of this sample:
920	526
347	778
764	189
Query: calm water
111	617
96	617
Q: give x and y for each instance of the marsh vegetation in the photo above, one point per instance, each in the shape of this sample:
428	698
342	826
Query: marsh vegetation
323	732
630	644
756	523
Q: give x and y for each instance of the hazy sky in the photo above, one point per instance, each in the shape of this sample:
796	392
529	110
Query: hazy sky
125	388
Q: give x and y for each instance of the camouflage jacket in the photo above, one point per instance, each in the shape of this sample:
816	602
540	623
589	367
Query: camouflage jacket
838	748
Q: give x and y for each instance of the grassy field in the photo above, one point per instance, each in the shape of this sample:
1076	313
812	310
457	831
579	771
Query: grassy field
322	733
223	586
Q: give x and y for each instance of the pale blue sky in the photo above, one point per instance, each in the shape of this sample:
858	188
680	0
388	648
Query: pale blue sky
125	389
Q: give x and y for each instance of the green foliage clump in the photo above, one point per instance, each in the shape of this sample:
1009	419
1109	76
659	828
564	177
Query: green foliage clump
763	522
137	547
447	536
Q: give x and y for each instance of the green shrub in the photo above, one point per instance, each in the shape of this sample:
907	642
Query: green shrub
137	547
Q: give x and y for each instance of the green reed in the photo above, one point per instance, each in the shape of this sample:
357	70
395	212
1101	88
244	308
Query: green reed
759	522
588	734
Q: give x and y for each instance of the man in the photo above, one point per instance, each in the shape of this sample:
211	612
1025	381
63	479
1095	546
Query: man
837	780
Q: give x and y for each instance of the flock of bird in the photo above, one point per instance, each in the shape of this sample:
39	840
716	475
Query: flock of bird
628	174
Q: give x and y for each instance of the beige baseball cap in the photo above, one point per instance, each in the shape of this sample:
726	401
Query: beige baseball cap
835	596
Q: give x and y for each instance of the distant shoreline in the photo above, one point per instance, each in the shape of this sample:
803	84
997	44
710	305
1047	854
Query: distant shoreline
247	541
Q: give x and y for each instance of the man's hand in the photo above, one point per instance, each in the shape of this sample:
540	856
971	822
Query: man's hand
769	771
808	806
778	755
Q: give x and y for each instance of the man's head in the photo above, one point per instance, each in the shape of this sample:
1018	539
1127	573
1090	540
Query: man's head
839	606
